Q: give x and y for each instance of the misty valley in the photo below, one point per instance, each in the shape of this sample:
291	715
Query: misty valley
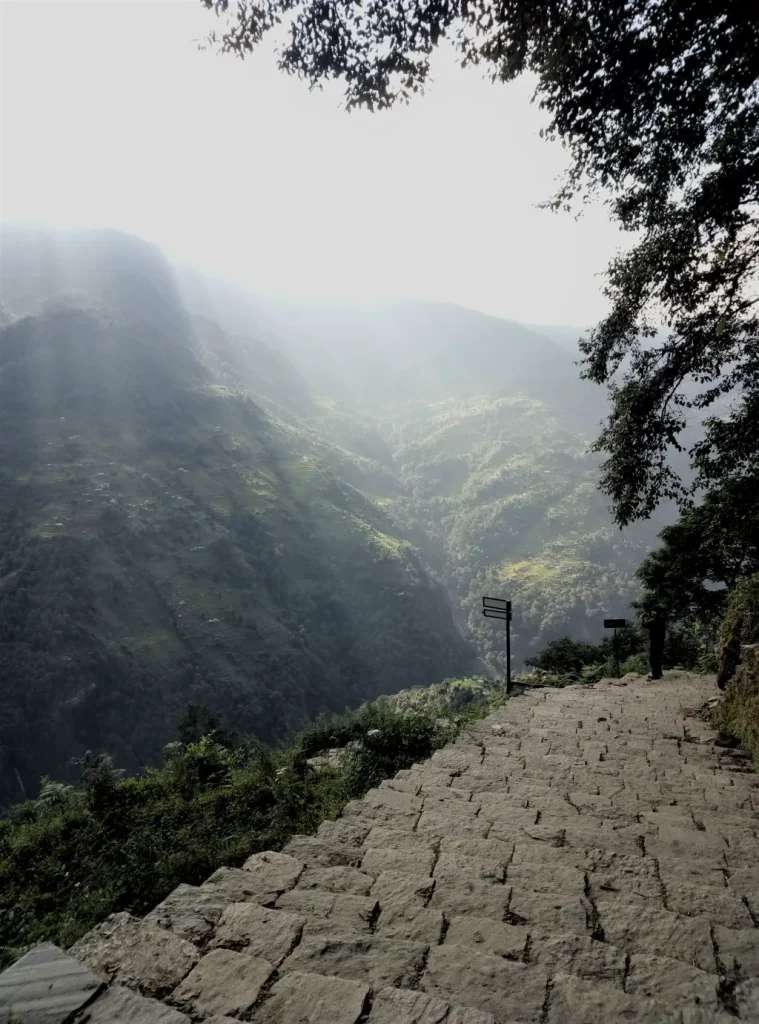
269	509
379	512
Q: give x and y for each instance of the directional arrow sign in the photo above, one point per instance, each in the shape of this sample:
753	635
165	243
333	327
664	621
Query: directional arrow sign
496	613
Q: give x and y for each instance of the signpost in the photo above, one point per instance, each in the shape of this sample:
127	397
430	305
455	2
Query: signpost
498	608
615	624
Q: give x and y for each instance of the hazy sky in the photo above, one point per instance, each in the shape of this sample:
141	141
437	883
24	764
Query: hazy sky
111	116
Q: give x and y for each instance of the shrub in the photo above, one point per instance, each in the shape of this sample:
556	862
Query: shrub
567	656
738	714
78	853
636	663
739	626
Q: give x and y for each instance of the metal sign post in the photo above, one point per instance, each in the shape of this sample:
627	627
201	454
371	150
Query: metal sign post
498	608
615	624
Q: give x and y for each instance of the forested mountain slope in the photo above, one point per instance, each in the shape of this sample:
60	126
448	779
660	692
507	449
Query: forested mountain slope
166	540
377	357
270	509
486	425
507	497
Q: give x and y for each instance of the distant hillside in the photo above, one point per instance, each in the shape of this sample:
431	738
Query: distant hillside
376	357
484	425
167	540
507	499
270	509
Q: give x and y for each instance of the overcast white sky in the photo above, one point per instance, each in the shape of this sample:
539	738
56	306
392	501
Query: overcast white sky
111	116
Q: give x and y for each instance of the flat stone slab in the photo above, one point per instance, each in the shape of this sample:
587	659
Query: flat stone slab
452	865
258	931
472	897
573	1000
313	851
556	911
580	955
340	912
304	998
336	879
142	956
379	961
224	983
119	1005
235	885
412	860
663	979
488	935
400	1006
513	993
45	986
738	950
411	924
343	833
396	888
640	926
273	872
190	911
439	822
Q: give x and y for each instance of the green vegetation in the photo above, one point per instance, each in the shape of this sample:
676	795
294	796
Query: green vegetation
739	626
657	107
698	576
677	350
77	853
169	538
569	661
501	497
190	515
738	715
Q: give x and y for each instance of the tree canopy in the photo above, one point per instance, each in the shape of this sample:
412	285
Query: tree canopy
705	554
657	104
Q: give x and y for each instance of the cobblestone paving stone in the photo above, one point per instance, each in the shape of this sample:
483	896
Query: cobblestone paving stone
583	854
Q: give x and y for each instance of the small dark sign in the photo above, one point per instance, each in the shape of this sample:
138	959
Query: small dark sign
500	608
496	608
615	623
496	613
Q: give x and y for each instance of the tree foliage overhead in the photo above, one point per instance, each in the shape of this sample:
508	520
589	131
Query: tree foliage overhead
705	554
656	102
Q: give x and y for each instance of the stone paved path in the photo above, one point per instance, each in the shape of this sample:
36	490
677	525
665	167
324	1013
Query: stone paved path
582	855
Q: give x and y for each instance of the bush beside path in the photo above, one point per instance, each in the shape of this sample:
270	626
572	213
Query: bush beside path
581	854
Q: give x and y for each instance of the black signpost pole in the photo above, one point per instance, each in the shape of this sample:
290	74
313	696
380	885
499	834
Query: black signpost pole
499	608
615	624
508	647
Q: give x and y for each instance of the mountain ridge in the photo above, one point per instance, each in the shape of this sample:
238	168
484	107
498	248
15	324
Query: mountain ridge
191	516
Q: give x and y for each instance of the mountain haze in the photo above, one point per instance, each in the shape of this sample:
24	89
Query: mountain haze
269	508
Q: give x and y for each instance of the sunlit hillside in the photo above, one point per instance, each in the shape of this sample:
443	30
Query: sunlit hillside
269	510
